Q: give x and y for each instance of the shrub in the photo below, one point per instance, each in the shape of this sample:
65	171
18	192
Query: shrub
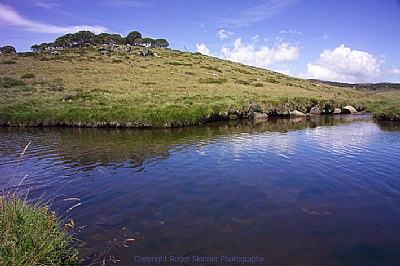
211	68
258	85
243	71
212	80
9	62
177	64
271	80
243	82
8	82
28	76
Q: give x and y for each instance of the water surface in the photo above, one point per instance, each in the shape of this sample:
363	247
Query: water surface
322	191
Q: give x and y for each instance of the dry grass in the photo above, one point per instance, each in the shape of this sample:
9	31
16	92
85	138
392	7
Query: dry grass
175	88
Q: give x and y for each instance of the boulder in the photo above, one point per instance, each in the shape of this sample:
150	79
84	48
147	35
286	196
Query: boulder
55	53
349	110
259	116
127	49
297	113
337	111
315	110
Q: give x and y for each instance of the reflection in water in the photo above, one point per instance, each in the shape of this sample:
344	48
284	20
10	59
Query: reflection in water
317	191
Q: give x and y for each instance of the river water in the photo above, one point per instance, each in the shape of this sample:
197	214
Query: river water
320	191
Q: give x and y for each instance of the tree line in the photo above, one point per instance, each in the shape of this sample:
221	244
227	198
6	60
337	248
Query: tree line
87	38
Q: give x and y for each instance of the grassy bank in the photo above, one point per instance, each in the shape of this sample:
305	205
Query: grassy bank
31	235
83	87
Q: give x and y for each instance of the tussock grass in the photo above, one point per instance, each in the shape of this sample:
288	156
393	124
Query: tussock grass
174	88
28	76
32	235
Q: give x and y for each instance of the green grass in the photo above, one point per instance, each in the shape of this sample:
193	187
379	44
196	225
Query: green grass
174	88
28	76
32	235
8	82
9	62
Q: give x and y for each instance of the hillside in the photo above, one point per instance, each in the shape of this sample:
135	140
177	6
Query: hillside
85	87
384	86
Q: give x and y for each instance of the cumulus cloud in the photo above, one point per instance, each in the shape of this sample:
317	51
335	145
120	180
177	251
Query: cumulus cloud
284	71
9	17
344	65
223	34
393	71
262	57
202	48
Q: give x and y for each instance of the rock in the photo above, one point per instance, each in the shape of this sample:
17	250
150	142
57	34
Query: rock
260	116
67	98
315	110
349	110
296	113
145	52
55	53
337	111
115	58
127	49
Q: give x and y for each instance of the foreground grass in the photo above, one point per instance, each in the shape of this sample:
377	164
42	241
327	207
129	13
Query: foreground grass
31	235
83	87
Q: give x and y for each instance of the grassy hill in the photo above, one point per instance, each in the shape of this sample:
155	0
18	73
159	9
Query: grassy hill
83	87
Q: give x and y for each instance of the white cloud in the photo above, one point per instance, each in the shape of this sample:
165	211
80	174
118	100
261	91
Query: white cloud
284	71
9	17
326	37
295	32
393	71
291	32
47	4
262	57
202	48
344	65
223	34
126	4
255	13
255	38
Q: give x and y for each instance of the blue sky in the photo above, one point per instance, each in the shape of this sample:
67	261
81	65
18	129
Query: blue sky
348	41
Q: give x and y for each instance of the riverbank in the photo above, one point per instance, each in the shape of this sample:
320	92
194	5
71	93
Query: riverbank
86	88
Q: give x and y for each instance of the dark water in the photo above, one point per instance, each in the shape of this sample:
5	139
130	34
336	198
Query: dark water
295	192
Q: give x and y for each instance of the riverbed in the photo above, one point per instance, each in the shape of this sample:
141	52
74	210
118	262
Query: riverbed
317	191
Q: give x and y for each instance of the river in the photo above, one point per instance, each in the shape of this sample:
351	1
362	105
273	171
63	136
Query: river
319	191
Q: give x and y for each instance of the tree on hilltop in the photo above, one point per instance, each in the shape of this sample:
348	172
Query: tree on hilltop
8	49
107	38
132	37
147	42
161	43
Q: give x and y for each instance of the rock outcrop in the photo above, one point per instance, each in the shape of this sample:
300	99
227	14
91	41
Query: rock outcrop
349	110
337	111
315	110
297	113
